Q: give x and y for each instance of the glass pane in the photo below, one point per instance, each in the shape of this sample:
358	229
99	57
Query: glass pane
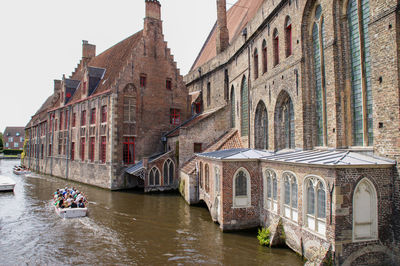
321	202
241	184
318	85
294	195
244	108
275	188
310	200
166	173
171	173
157	178
269	187
287	192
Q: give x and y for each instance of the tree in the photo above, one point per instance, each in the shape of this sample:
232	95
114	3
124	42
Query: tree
1	141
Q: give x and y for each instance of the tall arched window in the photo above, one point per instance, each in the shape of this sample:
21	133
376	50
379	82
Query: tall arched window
264	56
168	172
288	36
241	189
233	118
201	175
358	18
255	57
154	177
207	177
318	36
365	213
276	47
316	204
261	127
284	122
217	181
208	93
244	100
290	204
271	191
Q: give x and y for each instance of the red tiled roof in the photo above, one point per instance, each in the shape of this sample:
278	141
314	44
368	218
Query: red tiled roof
237	18
112	60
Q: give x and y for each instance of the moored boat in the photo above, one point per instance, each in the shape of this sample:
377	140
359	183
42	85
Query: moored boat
6	184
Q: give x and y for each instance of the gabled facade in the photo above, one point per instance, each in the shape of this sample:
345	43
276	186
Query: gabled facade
112	111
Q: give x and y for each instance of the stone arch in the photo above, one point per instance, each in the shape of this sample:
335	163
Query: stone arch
367	251
284	124
365	211
241	195
261	127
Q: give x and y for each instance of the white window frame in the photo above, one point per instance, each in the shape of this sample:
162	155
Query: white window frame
289	211
153	170
242	201
270	203
313	222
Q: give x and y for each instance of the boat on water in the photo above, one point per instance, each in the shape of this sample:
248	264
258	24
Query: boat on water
6	184
71	212
20	170
70	203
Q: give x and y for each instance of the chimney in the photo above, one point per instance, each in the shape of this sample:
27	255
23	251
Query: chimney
153	9
88	50
222	29
57	85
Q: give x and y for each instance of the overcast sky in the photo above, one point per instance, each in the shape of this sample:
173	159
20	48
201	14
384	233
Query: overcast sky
42	40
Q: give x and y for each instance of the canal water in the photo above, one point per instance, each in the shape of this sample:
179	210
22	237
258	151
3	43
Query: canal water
122	228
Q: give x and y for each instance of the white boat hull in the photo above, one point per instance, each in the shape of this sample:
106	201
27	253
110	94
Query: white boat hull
71	212
6	184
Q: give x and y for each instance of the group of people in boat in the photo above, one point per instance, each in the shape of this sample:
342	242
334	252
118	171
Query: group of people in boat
69	198
20	169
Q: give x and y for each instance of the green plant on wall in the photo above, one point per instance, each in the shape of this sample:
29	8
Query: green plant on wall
264	236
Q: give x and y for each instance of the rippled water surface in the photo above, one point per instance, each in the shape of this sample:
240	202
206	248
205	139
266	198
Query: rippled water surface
122	228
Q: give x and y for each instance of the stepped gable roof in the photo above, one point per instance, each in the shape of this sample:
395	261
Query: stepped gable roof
112	60
230	140
237	18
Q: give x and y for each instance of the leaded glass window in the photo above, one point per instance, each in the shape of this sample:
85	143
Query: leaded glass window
360	71
310	199
244	108
241	184
233	122
321	201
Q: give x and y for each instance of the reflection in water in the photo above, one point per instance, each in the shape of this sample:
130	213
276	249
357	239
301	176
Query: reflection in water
122	228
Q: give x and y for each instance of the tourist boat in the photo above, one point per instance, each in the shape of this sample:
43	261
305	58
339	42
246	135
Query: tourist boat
71	212
6	184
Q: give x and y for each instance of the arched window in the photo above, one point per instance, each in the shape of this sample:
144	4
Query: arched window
264	56
261	127
358	19
276	47
318	36
271	191
290	204
201	175
168	172
241	189
255	56
217	181
233	122
316	204
244	99
154	177
365	213
284	122
288	36
207	177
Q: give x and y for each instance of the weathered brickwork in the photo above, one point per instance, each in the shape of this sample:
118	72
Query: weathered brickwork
118	101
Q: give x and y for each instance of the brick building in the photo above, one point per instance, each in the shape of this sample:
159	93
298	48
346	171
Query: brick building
111	113
13	138
312	90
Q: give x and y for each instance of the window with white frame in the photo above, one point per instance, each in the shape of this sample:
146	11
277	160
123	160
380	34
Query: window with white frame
7	144
315	193
10	139
271	193
168	172
16	144
290	196
241	189
365	212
